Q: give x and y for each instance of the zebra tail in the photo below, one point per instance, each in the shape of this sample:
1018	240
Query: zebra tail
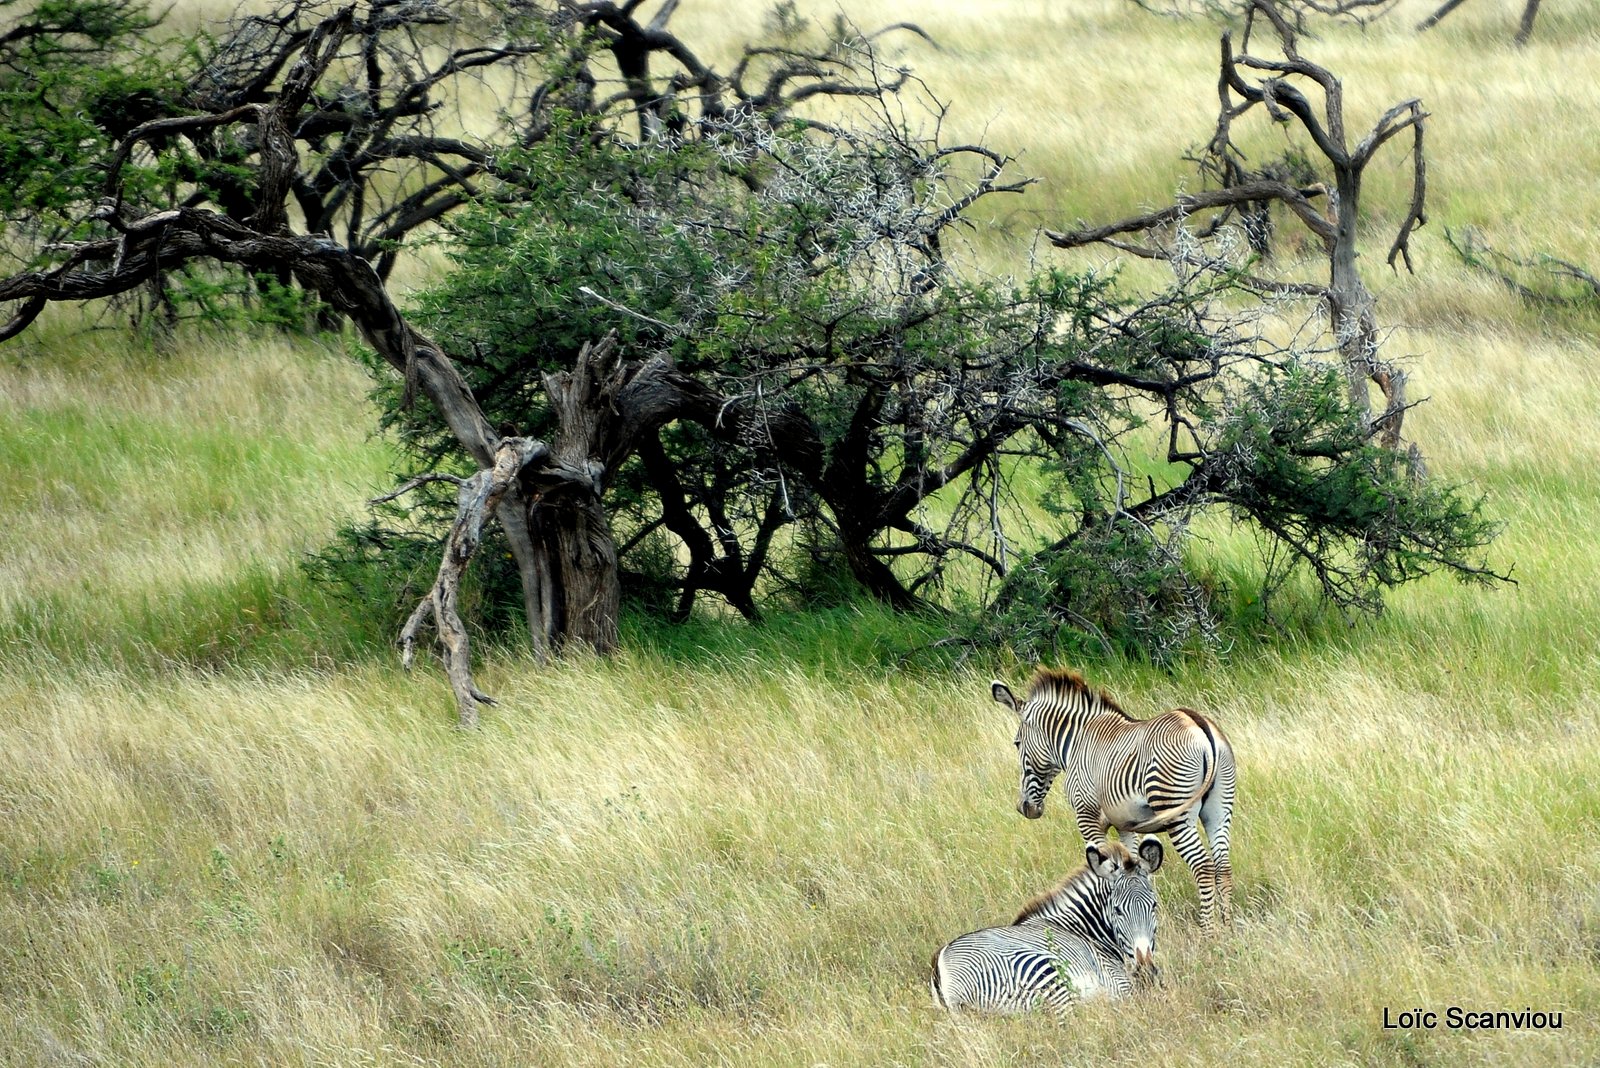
938	994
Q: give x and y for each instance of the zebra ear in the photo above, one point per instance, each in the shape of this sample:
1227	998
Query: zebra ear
1098	862
1002	693
1150	854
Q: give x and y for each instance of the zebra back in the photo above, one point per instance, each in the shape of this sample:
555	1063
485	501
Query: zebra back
1173	773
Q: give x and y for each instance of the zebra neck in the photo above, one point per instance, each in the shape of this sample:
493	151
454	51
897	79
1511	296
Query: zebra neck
1080	909
1070	729
1075	722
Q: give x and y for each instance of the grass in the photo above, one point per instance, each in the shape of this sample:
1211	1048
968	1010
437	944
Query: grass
236	833
738	860
162	500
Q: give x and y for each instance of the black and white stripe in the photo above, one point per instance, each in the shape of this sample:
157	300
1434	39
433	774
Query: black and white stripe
1172	774
1092	936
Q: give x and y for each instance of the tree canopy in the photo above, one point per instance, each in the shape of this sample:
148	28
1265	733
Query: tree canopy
718	335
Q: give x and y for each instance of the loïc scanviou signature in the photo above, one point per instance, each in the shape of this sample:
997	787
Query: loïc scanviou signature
1457	1018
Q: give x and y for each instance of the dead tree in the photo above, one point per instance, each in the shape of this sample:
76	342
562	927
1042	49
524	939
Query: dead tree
1333	223
1530	12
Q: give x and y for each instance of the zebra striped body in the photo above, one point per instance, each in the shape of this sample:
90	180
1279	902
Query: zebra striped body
1172	774
1090	937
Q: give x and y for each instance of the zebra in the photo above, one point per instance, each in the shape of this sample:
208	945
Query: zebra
1092	936
1147	776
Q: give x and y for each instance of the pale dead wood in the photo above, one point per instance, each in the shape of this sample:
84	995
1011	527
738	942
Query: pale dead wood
478	496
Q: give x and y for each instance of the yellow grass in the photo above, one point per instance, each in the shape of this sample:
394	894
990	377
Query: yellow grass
736	856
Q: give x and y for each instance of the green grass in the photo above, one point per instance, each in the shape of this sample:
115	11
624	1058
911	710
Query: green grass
235	832
161	501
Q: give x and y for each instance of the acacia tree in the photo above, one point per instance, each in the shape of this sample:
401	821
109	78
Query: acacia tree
908	413
795	274
297	112
688	307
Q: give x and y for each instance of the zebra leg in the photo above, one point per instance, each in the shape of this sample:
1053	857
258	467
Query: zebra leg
1092	826
1192	848
1216	813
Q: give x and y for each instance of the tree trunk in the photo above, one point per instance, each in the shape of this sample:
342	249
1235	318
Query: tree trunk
877	577
533	568
1354	326
587	588
1525	27
570	521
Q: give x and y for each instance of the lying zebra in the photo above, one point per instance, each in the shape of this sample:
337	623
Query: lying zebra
1092	936
1171	774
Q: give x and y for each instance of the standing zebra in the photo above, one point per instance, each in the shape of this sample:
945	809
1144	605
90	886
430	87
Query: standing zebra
1092	936
1148	776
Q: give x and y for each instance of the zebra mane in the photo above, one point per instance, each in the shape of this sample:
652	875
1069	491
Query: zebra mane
1111	849
1062	684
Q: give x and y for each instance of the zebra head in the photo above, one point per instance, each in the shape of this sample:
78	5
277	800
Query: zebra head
1131	900
1036	749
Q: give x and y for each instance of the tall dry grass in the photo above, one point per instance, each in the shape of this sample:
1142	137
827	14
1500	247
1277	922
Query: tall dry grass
731	847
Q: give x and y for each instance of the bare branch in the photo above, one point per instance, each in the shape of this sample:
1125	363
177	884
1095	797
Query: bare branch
1189	203
411	484
23	317
1386	128
1476	253
478	495
180	124
1444	9
1415	213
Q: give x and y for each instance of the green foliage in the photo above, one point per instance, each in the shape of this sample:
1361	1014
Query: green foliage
515	309
1283	453
1296	460
758	271
784	270
1115	590
75	76
232	299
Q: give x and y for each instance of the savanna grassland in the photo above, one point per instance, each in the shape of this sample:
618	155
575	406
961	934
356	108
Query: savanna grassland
232	831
